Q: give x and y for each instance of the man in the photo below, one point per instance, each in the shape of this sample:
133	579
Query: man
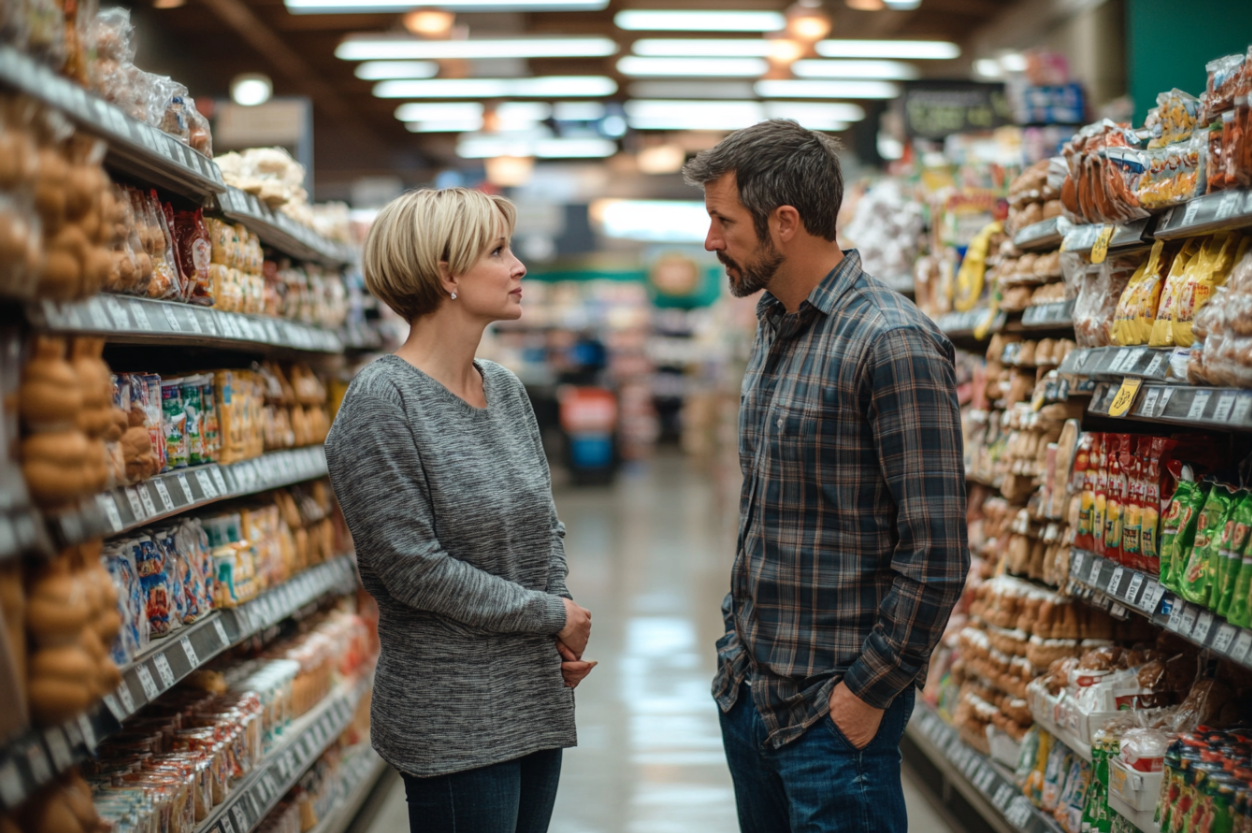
852	544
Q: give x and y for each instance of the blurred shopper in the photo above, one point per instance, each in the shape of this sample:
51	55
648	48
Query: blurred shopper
437	462
852	548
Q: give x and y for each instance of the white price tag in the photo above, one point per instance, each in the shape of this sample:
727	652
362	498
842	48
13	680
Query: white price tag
1148	406
185	486
146	499
227	827
164	494
117	312
12	792
164	670
240	818
1225	404
1199	403
149	685
62	758
1094	575
1188	216
1203	623
123	694
1243	644
193	321
222	488
1075	568
140	315
1115	581
1154	367
1243	404
1166	395
1229	204
1152	597
1132	590
206	484
1186	622
190	651
221	632
40	769
1225	638
89	732
109	506
171	318
136	505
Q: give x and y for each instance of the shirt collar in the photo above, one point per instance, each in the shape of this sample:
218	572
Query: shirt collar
824	295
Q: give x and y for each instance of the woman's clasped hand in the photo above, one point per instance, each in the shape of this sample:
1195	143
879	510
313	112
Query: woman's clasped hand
571	641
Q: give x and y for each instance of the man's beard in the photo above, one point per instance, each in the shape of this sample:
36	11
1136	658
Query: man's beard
756	275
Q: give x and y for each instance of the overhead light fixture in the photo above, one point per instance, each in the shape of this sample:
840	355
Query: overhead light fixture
661	221
661	159
510	171
385	47
917	50
382	70
446	126
429	23
251	89
733	115
644	20
578	111
168	4
550	86
988	68
701	47
487	146
692	89
614	125
882	70
903	5
823	89
784	51
865	5
889	147
391	6
692	67
807	22
440	111
463	116
1013	62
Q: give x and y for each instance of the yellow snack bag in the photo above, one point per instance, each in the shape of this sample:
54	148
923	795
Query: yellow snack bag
1220	254
1162	332
970	279
1132	322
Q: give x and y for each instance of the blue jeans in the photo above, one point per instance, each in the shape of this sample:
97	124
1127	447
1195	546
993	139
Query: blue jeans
513	797
819	782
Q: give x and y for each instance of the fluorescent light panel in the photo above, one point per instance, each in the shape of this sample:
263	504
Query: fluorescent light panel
390	48
917	50
692	89
487	147
662	221
382	70
822	89
392	6
692	67
641	20
882	70
733	115
551	86
578	111
702	47
445	126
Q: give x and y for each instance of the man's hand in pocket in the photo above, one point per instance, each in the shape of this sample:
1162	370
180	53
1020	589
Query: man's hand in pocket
855	719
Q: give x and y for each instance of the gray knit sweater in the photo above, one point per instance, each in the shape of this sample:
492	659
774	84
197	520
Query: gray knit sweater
450	509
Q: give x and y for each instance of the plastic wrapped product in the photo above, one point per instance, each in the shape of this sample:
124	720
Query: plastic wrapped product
1162	329
195	251
1173	174
1226	80
174	568
174	423
158	603
1136	310
1210	270
1195	582
1230	557
191	396
1178	530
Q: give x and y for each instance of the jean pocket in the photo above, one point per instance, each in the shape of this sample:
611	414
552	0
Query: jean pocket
842	739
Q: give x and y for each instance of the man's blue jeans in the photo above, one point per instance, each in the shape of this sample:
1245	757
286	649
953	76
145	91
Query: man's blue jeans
512	797
819	782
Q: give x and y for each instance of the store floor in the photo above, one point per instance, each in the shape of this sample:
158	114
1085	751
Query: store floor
651	559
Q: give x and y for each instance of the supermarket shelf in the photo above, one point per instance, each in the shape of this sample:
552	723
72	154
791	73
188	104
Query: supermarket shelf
21	532
1203	215
129	507
134	148
985	783
37	756
964	324
341	818
1062	734
1049	316
175	656
129	320
1118	362
361	337
280	231
1220	409
1145	595
302	744
1042	236
1125	237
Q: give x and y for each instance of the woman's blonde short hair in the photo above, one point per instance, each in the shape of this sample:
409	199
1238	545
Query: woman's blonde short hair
416	231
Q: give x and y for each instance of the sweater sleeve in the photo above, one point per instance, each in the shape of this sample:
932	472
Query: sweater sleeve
377	475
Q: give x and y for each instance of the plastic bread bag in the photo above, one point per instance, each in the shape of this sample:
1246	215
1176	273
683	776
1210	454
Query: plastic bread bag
1177	113
194	250
153	580
199	135
1124	168
1226	79
1174	173
112	37
1093	290
1162	329
163	280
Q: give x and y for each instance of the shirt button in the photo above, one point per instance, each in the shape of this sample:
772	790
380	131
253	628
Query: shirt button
780	423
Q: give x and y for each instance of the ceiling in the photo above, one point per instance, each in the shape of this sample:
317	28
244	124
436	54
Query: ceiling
205	43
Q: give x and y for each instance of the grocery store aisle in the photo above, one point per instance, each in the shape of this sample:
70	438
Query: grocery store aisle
650	558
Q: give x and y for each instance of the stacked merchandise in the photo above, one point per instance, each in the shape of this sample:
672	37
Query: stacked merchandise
277	180
886	228
1032	278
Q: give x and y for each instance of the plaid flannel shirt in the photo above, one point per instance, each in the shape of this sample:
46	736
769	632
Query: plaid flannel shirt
852	541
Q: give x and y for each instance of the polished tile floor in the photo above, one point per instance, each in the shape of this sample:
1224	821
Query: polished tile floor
650	557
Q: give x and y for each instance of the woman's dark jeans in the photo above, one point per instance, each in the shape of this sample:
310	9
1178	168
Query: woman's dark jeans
513	797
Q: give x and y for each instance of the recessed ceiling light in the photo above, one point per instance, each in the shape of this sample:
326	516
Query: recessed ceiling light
732	115
825	89
429	23
440	111
448	126
902	5
692	67
883	70
1013	62
807	22
641	20
692	89
865	5
988	68
251	89
916	50
578	111
384	47
388	6
382	70
552	86
486	146
701	47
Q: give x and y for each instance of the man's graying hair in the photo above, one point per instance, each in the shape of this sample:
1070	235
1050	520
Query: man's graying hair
775	163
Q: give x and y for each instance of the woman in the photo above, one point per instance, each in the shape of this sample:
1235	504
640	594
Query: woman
436	460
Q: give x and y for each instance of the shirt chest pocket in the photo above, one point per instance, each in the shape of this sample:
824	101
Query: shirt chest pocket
792	431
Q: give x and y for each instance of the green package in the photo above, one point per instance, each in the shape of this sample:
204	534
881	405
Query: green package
1240	610
1179	525
1231	557
1195	581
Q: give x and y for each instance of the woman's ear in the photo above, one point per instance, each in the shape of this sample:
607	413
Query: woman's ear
445	278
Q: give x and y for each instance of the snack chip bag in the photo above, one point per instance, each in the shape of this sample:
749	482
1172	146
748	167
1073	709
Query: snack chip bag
1136	311
1195	582
1217	257
1162	331
1178	528
174	423
1232	553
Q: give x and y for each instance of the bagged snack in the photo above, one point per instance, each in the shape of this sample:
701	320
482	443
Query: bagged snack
1137	308
150	564
174	423
1172	174
1195	582
191	397
1173	119
195	251
1211	268
1230	558
1226	79
1178	529
1117	493
1162	329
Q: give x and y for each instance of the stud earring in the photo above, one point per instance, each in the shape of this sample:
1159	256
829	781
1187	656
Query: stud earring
454	296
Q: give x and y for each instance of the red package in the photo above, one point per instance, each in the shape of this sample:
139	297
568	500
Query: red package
1100	490
1116	494
1083	484
195	250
